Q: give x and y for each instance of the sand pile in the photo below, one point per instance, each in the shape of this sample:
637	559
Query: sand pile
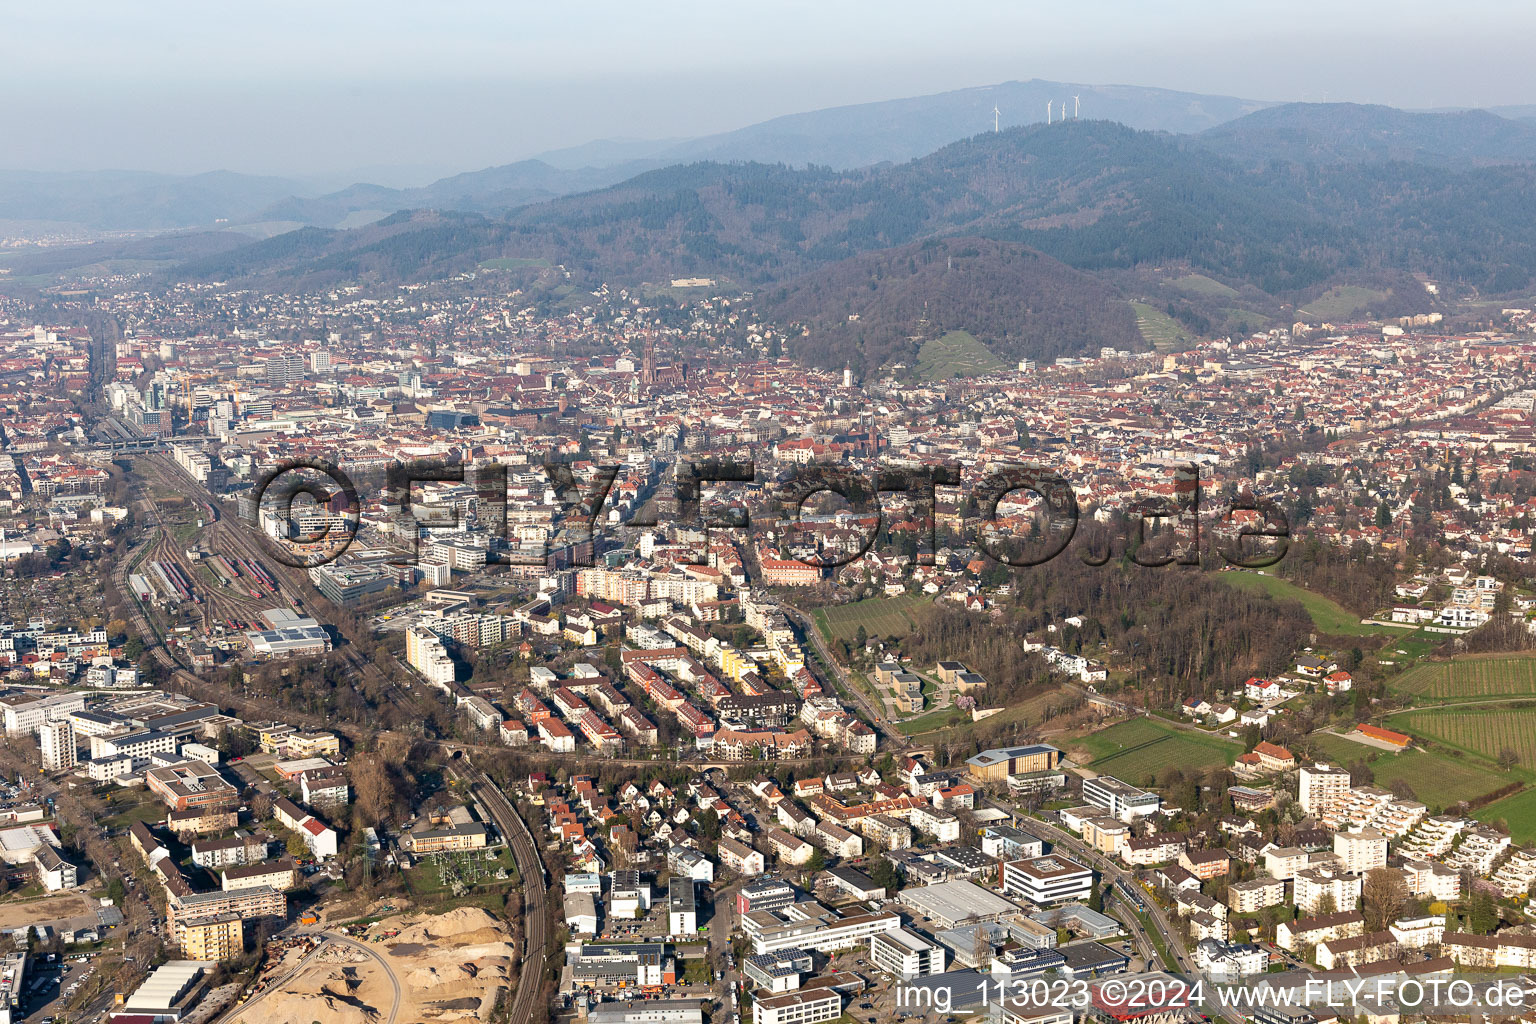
337	995
463	925
433	977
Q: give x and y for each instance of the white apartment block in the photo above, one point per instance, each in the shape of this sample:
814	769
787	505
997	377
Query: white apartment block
1515	875
1320	786
1430	880
57	740
425	653
1418	932
1312	886
1478	852
1434	836
1361	851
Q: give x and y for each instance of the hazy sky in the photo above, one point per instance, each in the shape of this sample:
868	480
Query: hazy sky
401	93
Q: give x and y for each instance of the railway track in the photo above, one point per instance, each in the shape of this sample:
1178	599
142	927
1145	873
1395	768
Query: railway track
530	981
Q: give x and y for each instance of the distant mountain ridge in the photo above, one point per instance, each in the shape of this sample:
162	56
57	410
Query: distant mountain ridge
1095	195
1329	133
858	135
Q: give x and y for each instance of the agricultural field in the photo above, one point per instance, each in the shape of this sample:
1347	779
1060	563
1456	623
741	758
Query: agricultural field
1471	678
1344	300
880	616
1199	284
1436	778
956	354
1484	732
1518	812
1138	750
1161	330
1327	615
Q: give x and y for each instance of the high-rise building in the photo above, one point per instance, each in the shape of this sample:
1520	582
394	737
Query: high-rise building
282	369
212	938
58	742
1320	785
320	360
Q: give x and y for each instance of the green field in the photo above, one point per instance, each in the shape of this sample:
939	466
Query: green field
933	721
1436	778
1518	812
880	616
1138	750
1031	710
1245	320
1327	615
1199	284
956	354
1343	301
1161	330
1484	732
1504	675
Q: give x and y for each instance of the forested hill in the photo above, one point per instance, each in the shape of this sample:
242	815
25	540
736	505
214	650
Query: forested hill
1095	195
1359	133
1018	302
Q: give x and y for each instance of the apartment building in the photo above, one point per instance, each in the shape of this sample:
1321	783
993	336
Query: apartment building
281	875
1314	888
1293	936
425	653
1320	785
57	740
213	937
1145	851
1254	895
249	904
1361	851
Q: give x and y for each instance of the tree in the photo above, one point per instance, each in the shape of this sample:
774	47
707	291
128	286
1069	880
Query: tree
884	874
374	787
1482	913
295	846
261	807
1508	758
1382	897
818	861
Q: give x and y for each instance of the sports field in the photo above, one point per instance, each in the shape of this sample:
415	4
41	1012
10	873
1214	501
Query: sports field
1484	732
880	616
1436	778
1471	678
1138	750
1327	615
